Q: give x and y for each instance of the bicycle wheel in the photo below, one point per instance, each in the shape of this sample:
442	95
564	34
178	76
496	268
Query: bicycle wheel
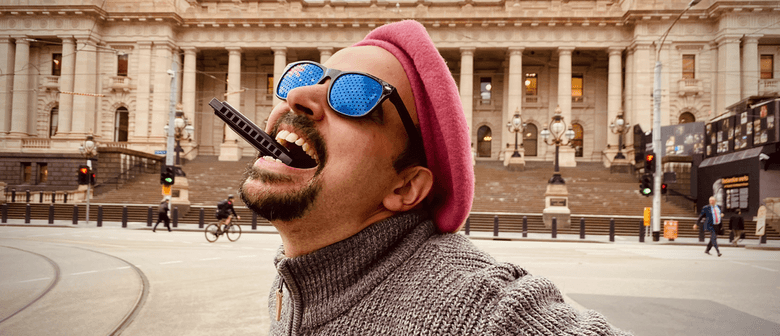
211	233
234	232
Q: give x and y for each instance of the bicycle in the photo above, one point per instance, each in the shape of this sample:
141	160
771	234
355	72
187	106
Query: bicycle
232	231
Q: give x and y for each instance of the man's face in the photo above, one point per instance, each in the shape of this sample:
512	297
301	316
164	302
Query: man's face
712	201
355	155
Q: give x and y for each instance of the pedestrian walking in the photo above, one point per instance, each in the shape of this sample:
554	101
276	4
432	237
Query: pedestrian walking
162	215
713	216
737	225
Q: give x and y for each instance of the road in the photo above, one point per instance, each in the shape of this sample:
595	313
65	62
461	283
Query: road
94	281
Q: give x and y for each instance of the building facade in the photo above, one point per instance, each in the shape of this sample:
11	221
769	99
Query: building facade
69	69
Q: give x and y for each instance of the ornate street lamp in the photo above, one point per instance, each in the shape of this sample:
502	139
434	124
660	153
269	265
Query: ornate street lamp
182	130
558	130
516	125
619	126
89	150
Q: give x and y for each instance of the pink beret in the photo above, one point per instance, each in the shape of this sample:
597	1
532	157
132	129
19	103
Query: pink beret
442	122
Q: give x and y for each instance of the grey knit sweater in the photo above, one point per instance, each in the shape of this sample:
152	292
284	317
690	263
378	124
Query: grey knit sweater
400	276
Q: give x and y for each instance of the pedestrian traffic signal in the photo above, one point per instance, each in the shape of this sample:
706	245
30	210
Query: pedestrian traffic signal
650	163
663	188
646	188
83	174
167	176
92	177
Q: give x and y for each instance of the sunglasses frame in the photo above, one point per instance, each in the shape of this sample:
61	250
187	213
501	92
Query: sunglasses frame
388	91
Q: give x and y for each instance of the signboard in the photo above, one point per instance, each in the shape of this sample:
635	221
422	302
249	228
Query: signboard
647	213
684	139
761	221
765	123
670	229
736	191
166	190
743	131
558	202
160	152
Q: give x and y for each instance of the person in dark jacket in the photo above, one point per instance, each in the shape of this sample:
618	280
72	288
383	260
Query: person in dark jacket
226	212
737	225
162	215
714	217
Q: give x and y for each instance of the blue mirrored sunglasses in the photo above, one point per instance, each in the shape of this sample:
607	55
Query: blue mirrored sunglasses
350	93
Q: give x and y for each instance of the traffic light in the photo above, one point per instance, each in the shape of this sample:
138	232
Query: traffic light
650	163
646	188
92	177
83	174
167	176
663	189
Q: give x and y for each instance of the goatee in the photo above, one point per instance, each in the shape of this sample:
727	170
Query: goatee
278	207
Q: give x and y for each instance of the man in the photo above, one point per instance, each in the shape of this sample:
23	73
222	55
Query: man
162	214
737	225
225	212
367	235
713	217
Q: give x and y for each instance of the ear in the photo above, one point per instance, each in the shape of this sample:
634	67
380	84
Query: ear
411	187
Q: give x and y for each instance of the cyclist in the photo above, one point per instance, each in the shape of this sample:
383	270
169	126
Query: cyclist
226	212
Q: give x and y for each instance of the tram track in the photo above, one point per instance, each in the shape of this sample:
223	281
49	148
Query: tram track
51	285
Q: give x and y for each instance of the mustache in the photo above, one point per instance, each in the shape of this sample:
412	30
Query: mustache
303	124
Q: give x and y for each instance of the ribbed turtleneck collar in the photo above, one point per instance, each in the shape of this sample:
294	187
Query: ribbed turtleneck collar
329	281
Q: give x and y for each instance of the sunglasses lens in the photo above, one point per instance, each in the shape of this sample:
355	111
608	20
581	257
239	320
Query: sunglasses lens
354	94
303	74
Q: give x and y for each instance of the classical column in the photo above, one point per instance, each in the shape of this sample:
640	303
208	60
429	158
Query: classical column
143	85
628	106
280	62
467	87
161	96
20	105
729	74
85	86
229	150
566	155
614	94
514	98
325	53
6	83
188	85
750	73
643	86
67	73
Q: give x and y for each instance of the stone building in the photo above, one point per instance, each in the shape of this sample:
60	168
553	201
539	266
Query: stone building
73	68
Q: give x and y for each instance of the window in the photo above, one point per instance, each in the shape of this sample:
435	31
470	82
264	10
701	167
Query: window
53	120
689	67
484	141
767	66
26	172
120	125
270	84
530	136
43	172
687	117
576	88
121	65
56	64
530	84
577	141
485	86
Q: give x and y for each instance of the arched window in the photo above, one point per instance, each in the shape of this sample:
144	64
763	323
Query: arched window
484	140
687	117
120	125
53	120
577	142
530	135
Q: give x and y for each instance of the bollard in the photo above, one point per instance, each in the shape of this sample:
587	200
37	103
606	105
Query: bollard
65	197
13	195
254	221
100	216
762	240
731	236
582	228
468	225
525	226
5	213
175	216
124	216
27	214
200	218
53	196
27	196
701	233
642	231
51	213
149	217
495	226
41	197
612	229
75	214
555	227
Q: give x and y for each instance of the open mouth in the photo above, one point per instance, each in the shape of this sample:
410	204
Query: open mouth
302	153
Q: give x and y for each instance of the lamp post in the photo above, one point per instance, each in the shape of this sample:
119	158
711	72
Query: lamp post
516	125
656	217
557	131
182	130
89	150
619	127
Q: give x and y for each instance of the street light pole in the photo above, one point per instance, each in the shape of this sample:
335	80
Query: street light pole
657	149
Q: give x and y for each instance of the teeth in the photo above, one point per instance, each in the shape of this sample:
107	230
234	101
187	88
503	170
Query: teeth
300	142
284	137
292	137
305	147
282	134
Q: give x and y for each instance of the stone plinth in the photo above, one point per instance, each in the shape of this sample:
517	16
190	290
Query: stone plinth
622	166
180	195
229	151
566	157
514	163
556	204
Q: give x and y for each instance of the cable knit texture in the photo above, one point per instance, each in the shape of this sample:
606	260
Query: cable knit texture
400	276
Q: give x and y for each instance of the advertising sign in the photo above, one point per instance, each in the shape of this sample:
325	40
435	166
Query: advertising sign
684	139
765	123
670	229
647	213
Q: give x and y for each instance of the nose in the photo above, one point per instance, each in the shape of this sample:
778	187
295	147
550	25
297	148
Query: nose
311	100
